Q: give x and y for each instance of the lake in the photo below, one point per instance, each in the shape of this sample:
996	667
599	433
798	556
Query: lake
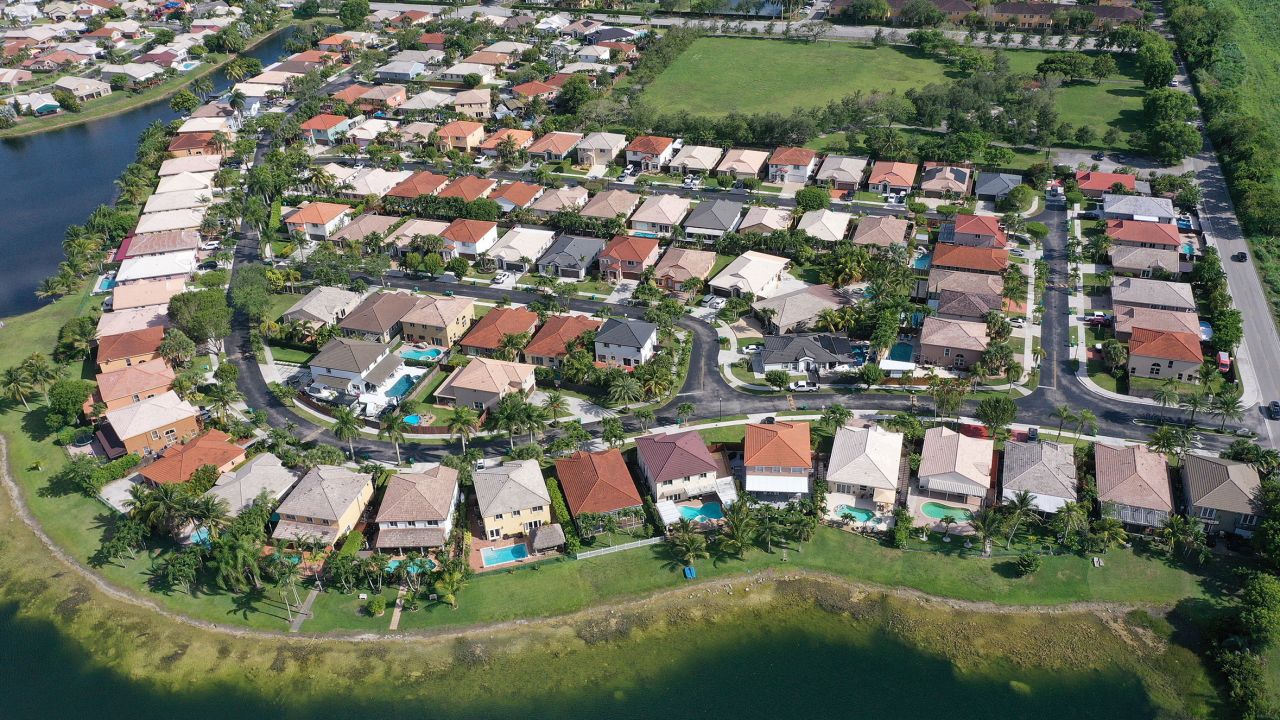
55	179
781	660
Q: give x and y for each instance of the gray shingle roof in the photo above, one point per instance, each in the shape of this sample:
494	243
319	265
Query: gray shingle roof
1042	468
355	356
818	347
716	214
572	251
626	332
1224	485
996	183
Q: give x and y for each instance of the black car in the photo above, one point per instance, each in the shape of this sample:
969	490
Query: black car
1099	156
1273	410
208	265
1091	215
1240	257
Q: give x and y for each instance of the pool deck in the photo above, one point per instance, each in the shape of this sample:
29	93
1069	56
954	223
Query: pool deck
835	500
423	348
915	500
480	542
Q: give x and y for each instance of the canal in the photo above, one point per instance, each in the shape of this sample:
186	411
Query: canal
55	179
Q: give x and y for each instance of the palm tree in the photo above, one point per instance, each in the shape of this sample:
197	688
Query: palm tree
391	429
1012	373
159	508
1226	405
1070	521
986	523
645	416
683	411
768	526
346	426
17	385
1086	420
1109	532
40	371
687	544
1169	440
449	580
1167	393
555	404
221	396
209	512
1016	509
836	415
1038	354
510	346
738	530
463	423
1196	402
1186	535
235	559
625	390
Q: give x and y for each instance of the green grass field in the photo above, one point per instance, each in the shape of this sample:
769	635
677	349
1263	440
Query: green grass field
716	76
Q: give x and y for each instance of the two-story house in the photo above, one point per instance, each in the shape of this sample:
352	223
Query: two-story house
512	499
625	342
324	506
778	461
417	509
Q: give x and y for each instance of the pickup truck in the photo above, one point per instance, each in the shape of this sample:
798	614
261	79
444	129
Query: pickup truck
803	386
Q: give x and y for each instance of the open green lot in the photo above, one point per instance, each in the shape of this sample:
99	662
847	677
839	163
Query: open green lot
716	76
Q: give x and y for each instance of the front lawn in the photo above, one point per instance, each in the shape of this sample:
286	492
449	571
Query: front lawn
294	355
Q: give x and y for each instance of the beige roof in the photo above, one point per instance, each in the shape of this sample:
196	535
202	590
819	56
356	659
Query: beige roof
1132	475
323	304
264	473
842	169
697	157
170	220
514	485
941	178
403	235
483	374
682	264
801	306
1137	259
663	209
150	414
603	141
325	493
610	204
364	226
419	496
123	321
349	355
1041	468
960	334
146	293
947	451
193	164
770	218
868	456
1220	484
881	230
521	242
828	225
440	312
1128	318
740	162
561	199
751	272
187	180
964	282
132	380
1144	291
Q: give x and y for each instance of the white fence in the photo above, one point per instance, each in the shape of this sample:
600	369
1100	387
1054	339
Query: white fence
618	548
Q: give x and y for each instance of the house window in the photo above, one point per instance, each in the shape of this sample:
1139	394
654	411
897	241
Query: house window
498	516
155	435
946	352
537	508
515	513
495	533
477	405
1155	368
1247	520
171	434
1207	513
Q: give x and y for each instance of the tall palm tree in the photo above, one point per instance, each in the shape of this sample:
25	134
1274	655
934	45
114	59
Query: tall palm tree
346	426
684	411
686	544
221	396
555	404
1185	535
1064	414
210	512
768	526
235	559
986	523
463	423
645	416
391	429
1086	420
1226	405
40	371
1169	440
17	385
1167	394
159	508
1020	507
1195	402
625	390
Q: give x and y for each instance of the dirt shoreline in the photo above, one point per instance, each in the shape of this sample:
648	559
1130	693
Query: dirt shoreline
738	586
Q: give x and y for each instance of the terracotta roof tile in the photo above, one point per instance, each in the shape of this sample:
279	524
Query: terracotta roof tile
784	444
556	333
1165	345
488	330
597	482
180	462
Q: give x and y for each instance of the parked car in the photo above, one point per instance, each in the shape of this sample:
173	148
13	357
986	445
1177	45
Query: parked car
500	277
1017	322
320	393
803	386
768	421
716	303
1018	252
1091	215
1273	410
1240	256
1099	155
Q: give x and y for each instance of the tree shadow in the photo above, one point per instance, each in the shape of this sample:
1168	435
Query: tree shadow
1007	569
34	423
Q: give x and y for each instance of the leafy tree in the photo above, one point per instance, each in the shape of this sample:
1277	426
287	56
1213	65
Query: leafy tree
812	198
66	402
202	315
778	378
184	101
996	413
352	13
921	13
612	431
1028	563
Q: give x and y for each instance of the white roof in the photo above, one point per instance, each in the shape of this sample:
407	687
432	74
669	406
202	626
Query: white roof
241	487
428	100
205	124
771	217
180	200
466	68
371	128
134	71
376	181
170	220
828	225
663	209
82	85
751	272
186	181
129	320
777	484
521	242
868	456
153	266
150	414
194	164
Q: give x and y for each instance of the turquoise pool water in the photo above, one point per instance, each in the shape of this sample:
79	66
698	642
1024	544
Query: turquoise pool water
106	284
502	555
708	511
921	262
855	513
402	386
412	419
902	352
420	355
937	511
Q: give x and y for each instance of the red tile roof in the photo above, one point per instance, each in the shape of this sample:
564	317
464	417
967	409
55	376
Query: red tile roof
534	88
898	174
180	462
459	128
782	444
556	333
324	122
1090	180
488	330
419	184
629	247
1139	231
1165	345
597	482
130	344
467	231
521	138
469	187
797	156
351	93
520	194
650	144
191	141
679	455
431	39
970	258
317	213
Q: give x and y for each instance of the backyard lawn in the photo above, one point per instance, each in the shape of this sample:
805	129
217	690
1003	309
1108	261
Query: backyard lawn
716	76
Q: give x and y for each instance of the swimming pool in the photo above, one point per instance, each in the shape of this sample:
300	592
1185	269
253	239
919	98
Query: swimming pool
902	352
412	419
709	511
106	284
188	66
503	555
921	261
854	513
937	511
402	386
422	355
